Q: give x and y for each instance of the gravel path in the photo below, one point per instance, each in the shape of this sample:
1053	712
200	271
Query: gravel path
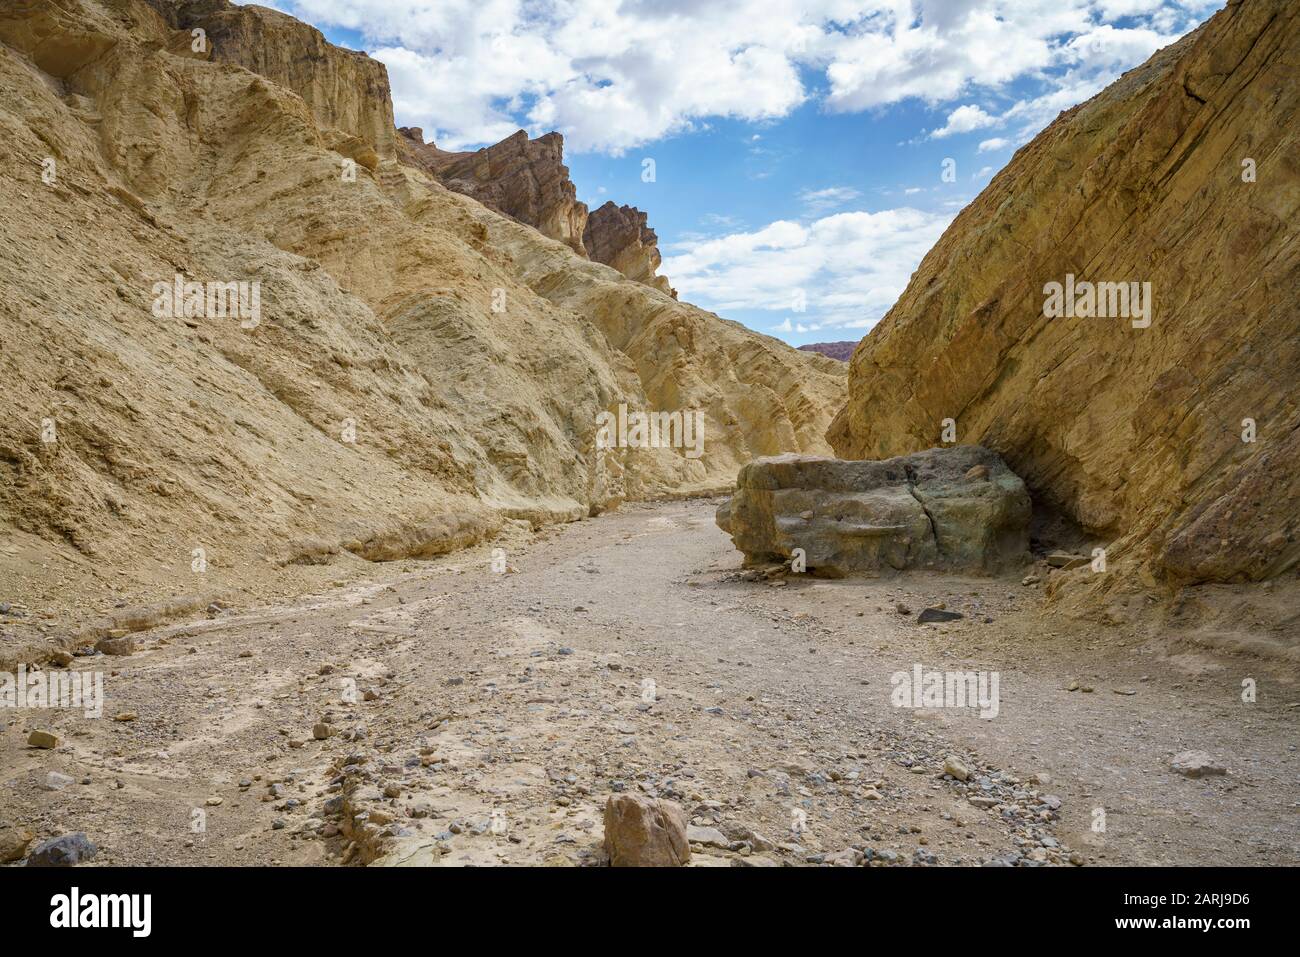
482	717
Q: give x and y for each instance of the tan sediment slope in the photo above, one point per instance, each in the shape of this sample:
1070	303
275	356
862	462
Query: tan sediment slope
424	368
1135	433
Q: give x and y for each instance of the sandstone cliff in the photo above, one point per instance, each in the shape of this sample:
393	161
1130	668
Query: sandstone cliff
346	90
618	236
527	180
1174	444
422	369
523	178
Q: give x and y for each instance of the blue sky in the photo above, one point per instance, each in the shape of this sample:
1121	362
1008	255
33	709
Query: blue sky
798	147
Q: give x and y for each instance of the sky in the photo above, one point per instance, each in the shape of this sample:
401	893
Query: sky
796	160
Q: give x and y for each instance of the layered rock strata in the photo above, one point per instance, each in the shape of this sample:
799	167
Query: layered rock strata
1117	315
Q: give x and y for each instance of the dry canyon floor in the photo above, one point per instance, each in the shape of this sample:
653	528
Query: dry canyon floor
495	713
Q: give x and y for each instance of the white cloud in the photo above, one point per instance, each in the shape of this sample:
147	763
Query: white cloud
820	201
612	77
997	143
850	266
935	50
965	119
1113	9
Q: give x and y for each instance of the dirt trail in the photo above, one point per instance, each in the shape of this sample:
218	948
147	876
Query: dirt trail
494	712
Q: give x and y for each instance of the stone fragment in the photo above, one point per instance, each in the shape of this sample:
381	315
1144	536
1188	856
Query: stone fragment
1197	764
645	832
117	647
67	850
956	767
929	615
709	836
14	842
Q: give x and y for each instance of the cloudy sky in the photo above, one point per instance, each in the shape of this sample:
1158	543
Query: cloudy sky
798	147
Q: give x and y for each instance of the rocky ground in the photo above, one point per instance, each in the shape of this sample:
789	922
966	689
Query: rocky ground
482	717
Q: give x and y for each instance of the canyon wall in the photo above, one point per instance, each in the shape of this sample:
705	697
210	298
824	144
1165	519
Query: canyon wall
345	89
1170	436
422	370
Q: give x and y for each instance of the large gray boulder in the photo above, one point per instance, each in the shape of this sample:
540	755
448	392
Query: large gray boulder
956	509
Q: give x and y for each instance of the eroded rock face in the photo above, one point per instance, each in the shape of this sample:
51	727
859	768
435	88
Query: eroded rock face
424	371
1139	434
523	178
346	90
528	181
645	832
618	236
958	509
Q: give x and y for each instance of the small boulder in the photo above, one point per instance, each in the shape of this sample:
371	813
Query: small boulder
956	767
1196	764
938	614
54	781
746	834
645	832
849	857
709	836
957	509
43	739
13	843
65	851
117	647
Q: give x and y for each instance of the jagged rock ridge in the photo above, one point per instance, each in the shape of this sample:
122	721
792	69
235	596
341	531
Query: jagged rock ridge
527	179
618	236
523	178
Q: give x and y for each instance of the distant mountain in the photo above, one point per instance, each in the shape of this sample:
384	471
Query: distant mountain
836	350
